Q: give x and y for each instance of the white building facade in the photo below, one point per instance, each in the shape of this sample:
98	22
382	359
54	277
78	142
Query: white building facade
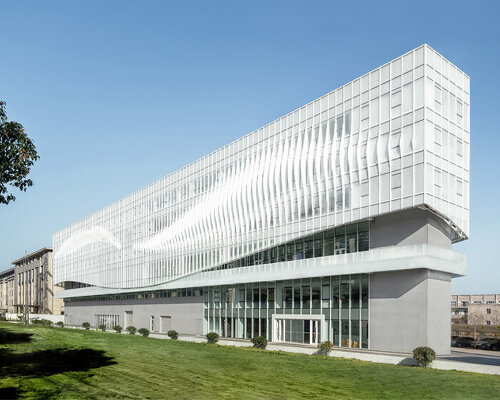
322	225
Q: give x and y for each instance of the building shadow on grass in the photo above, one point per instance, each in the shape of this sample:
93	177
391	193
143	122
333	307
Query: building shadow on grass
9	393
9	337
53	361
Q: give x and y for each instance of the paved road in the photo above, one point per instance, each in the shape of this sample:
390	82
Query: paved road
484	357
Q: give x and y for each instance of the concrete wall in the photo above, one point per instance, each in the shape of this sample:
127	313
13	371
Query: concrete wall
410	309
186	313
413	226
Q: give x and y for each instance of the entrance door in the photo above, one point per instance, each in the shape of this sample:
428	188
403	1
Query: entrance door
127	319
307	331
315	332
165	323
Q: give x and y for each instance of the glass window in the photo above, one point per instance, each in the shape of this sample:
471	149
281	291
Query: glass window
282	253
256	298
249	296
352	236
364	334
256	327
299	254
315	295
263	327
329	243
364	291
241	297
306	297
355	333
288	297
335	292
355	291
344	293
308	249
318	245
274	254
270	298
325	296
364	240
344	326
290	252
297	330
335	332
340	240
296	298
263	297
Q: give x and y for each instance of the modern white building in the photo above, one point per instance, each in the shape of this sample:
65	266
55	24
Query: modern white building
334	222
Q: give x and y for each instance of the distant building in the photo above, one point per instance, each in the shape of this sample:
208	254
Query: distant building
6	292
476	309
33	284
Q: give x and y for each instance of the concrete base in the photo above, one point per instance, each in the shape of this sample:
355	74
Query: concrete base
183	314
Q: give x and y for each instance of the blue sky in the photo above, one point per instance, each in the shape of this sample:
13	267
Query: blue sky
117	94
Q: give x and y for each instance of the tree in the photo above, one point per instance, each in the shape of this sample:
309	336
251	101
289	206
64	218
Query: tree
17	156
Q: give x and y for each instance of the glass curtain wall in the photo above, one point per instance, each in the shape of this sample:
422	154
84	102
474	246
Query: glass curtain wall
246	310
345	239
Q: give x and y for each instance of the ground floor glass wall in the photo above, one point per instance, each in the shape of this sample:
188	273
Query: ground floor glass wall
307	311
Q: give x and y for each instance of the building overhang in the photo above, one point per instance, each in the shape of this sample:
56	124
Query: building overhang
394	258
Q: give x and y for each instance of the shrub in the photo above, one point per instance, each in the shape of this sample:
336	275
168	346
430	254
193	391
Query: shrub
173	335
86	325
424	355
117	328
60	324
42	322
325	348
102	328
212	337
131	329
260	342
144	332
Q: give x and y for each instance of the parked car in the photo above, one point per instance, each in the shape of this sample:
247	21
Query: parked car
465	341
454	340
490	344
482	342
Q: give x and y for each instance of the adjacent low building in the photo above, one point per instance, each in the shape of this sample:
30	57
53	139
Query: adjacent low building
334	222
33	284
6	292
476	309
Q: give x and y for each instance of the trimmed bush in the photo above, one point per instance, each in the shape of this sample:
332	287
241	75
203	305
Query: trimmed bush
424	355
131	329
117	328
144	332
60	324
42	322
102	328
325	348
173	335
86	325
260	342
212	337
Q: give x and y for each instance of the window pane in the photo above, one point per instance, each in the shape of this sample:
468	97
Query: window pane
315	297
355	333
355	292
306	298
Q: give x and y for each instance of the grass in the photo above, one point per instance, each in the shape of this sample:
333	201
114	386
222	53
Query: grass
50	363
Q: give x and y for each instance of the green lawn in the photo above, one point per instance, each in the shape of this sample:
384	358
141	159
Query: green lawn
60	363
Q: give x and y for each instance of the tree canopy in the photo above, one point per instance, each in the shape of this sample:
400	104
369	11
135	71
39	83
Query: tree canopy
17	156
